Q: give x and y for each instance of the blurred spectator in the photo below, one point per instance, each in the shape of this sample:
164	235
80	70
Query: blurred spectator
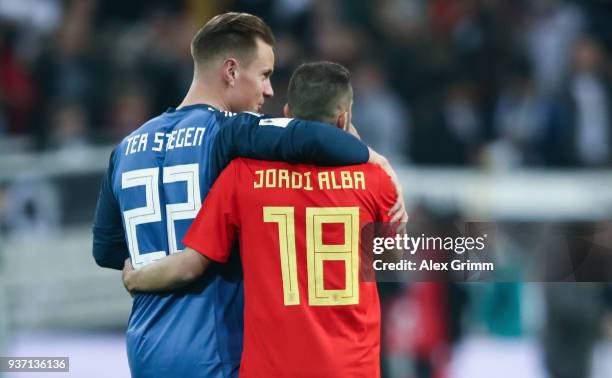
291	9
68	127
401	20
416	334
382	119
451	135
552	27
69	70
31	206
17	89
414	64
574	314
334	40
582	136
40	16
166	65
520	121
462	116
129	110
125	12
498	308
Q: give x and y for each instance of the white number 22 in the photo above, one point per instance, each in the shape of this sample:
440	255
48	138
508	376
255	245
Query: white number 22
151	212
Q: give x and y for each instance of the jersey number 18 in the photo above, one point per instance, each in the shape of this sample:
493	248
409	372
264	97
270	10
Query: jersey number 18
317	252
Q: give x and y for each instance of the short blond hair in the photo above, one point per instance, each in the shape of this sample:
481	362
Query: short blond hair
230	33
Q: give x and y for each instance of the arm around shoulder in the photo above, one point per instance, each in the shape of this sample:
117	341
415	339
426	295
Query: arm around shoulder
171	272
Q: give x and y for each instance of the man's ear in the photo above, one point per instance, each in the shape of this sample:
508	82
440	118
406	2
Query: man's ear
230	71
341	122
287	111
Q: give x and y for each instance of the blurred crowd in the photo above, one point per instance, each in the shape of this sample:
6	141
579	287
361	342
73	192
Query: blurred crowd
493	83
497	84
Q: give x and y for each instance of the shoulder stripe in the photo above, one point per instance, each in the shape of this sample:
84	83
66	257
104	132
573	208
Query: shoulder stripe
254	114
278	122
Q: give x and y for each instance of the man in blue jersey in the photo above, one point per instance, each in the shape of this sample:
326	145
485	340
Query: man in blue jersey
159	175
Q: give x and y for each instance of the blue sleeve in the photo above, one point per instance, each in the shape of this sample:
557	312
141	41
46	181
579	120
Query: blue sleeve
109	246
283	139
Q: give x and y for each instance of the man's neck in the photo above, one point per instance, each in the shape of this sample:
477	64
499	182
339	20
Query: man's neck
202	93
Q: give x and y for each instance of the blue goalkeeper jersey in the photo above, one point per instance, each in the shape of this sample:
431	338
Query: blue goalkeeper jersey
157	179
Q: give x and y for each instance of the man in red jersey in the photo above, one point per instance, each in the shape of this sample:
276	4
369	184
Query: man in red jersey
306	312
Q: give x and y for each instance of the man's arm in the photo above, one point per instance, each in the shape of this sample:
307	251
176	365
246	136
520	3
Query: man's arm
109	245
285	139
398	211
171	272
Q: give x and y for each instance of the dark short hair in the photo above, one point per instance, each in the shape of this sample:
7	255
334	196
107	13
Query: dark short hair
317	91
230	33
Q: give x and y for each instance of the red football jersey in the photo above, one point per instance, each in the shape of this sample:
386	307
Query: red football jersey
306	312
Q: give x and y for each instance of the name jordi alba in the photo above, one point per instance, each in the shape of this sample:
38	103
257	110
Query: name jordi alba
323	180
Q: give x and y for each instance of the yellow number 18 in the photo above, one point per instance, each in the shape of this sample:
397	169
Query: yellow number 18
317	253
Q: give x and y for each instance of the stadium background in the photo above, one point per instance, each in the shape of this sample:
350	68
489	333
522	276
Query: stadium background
492	110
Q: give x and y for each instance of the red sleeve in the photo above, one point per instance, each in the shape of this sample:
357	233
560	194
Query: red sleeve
386	196
215	228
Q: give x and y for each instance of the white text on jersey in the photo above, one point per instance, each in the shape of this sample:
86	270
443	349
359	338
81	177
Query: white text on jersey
187	137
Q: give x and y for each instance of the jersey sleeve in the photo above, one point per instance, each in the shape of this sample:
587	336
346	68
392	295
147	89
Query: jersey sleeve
386	196
109	246
284	139
215	228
